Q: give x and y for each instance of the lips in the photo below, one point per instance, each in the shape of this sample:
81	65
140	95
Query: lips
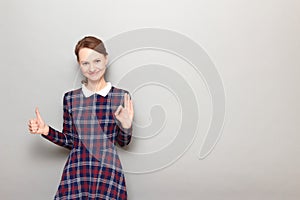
93	73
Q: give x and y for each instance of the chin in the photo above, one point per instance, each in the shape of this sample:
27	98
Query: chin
95	79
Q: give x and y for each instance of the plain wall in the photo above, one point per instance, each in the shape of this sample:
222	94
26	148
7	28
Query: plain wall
254	45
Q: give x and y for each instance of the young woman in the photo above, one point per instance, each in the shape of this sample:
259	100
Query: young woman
96	117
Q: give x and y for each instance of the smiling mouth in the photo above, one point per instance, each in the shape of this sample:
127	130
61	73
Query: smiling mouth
93	73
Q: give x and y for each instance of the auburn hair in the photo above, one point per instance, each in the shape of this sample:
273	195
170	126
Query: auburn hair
91	43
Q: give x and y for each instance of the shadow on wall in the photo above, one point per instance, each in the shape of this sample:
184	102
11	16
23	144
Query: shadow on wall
39	149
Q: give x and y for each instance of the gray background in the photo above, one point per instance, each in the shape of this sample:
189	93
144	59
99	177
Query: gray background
255	46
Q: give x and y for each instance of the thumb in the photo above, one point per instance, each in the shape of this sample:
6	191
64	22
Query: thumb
118	110
38	115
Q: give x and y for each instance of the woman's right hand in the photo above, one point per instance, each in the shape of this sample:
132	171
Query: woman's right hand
37	125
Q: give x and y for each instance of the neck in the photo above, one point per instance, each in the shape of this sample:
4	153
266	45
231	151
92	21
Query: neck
96	85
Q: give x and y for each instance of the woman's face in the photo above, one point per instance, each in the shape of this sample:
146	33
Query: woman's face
92	64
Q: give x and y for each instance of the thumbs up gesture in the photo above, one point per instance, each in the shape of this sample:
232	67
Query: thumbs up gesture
37	125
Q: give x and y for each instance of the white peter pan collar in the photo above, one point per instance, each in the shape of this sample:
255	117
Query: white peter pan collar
103	92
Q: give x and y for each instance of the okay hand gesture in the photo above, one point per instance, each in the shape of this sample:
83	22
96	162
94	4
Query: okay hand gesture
125	114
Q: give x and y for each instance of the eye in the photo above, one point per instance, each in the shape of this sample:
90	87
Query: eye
98	61
84	63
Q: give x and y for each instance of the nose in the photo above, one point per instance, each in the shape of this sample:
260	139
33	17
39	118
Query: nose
92	68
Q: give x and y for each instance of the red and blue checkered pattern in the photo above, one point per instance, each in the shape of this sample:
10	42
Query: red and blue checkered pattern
90	130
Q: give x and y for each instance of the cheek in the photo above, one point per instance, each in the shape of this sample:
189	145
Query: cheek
83	70
103	70
103	66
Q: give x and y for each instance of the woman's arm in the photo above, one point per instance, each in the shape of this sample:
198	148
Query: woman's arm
64	138
123	135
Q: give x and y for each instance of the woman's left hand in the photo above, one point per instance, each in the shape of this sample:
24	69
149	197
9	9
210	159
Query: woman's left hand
125	114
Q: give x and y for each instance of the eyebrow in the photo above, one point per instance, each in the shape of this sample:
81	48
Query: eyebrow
92	60
84	61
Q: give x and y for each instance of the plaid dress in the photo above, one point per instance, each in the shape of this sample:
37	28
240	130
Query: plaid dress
90	130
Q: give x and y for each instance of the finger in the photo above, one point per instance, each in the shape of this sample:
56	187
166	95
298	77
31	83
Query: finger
131	107
131	111
38	115
127	100
118	110
34	126
32	122
29	122
33	131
